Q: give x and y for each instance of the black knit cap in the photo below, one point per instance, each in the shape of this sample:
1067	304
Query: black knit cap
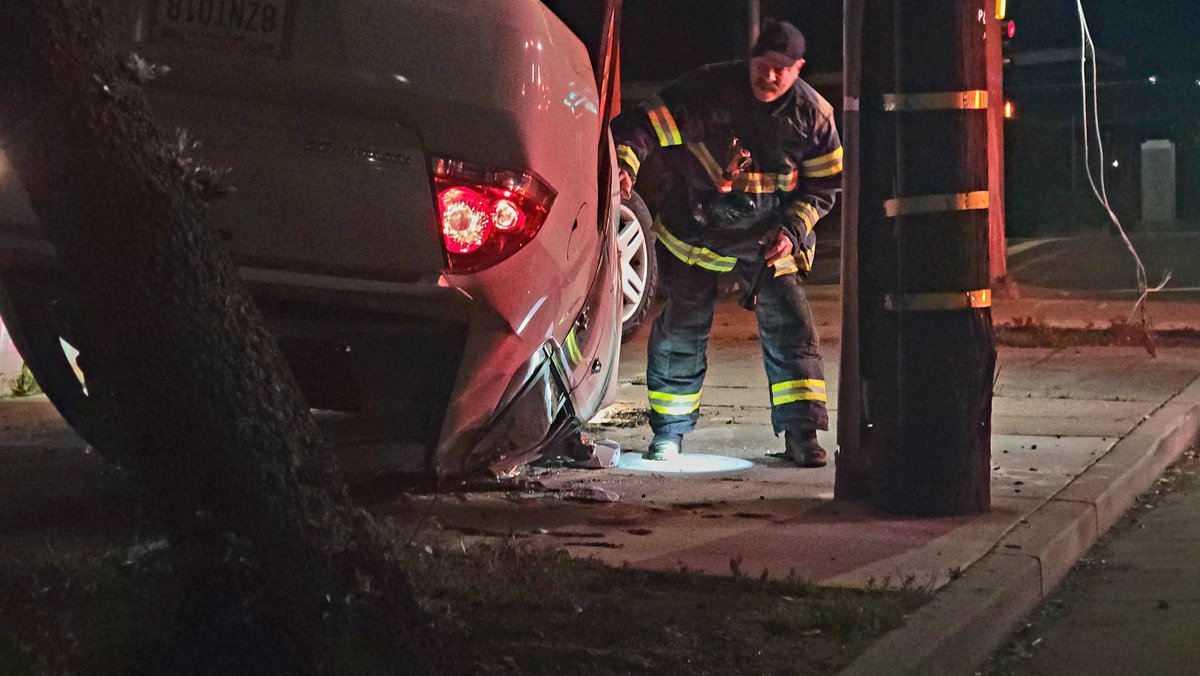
779	36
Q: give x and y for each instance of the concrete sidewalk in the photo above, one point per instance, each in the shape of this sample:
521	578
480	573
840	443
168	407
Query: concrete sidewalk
1078	434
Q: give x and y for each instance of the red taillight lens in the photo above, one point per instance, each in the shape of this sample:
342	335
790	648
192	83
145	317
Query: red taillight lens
465	220
486	215
506	215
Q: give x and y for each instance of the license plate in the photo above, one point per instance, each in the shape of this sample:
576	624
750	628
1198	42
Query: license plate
257	27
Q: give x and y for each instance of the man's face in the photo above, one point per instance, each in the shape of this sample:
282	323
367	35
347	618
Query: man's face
772	74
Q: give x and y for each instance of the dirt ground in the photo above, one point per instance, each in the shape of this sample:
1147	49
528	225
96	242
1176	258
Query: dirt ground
85	586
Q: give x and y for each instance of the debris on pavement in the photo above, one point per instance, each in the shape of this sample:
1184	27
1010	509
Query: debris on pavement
574	534
592	494
137	552
605	454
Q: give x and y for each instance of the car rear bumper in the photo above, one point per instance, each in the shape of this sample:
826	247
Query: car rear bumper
428	371
428	366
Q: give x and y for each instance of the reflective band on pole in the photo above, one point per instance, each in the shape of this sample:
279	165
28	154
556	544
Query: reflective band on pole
931	204
976	99
932	302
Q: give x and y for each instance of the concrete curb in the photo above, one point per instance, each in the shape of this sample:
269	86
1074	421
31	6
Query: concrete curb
970	617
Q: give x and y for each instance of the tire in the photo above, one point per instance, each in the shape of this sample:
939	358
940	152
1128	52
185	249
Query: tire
31	321
639	267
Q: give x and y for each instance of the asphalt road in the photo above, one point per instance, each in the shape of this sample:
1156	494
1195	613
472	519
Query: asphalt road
1132	606
1103	263
1083	263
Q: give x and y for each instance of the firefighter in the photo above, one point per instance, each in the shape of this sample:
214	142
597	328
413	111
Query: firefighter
752	161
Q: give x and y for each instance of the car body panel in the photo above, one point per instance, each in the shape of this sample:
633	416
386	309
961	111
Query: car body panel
330	122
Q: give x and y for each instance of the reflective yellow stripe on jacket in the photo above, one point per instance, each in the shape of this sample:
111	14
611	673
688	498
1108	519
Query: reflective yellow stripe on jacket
747	181
825	165
663	122
786	266
797	390
804	259
666	403
807	214
693	255
626	154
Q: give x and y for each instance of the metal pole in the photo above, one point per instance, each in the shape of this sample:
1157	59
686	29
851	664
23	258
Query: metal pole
754	18
997	244
852	478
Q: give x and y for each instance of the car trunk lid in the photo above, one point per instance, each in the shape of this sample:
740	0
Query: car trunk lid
326	179
315	191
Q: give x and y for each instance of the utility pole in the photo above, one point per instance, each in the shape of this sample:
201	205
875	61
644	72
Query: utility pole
753	21
867	375
997	243
853	457
926	352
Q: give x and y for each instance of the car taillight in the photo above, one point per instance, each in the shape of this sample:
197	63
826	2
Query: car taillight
486	215
465	222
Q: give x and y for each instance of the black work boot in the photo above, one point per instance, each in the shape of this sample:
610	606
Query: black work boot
665	446
803	448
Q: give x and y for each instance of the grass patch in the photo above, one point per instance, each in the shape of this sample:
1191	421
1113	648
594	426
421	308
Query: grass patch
92	614
1028	332
24	385
506	607
519	608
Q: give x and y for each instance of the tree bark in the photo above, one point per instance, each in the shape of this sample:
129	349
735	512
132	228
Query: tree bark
180	363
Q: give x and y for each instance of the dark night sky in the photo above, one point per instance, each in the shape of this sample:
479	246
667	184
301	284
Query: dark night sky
1157	36
663	38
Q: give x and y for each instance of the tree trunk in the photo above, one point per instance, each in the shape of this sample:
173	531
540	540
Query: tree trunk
188	377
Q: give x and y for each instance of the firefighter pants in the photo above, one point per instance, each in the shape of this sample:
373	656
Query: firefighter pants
679	341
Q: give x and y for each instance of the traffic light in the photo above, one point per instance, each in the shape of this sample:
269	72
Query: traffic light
1008	31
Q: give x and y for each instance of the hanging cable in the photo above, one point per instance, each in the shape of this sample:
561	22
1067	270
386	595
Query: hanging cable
1088	49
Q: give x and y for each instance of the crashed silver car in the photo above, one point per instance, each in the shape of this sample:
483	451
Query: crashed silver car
425	211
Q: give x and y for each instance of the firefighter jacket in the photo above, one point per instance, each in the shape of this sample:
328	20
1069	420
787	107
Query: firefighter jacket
707	208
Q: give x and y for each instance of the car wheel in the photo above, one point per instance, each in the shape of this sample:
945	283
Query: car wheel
33	327
639	268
